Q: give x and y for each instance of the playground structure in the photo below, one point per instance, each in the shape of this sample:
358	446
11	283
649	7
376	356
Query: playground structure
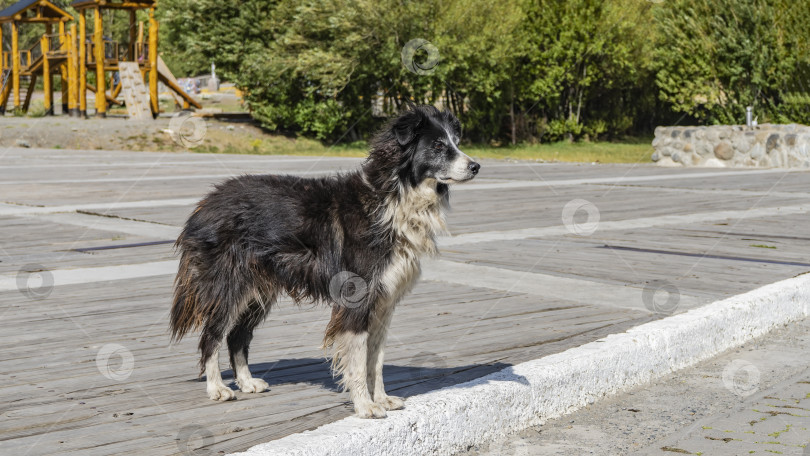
72	55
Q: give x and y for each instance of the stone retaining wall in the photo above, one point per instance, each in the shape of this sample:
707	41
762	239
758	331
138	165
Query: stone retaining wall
737	146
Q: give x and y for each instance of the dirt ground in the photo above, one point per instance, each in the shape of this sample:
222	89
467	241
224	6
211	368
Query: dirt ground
171	132
168	133
62	132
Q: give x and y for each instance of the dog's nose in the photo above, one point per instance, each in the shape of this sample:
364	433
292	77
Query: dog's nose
474	167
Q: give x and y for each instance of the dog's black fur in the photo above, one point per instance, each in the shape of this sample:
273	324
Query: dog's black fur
256	236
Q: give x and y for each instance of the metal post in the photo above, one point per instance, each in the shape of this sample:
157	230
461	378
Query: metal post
153	62
101	83
15	63
46	76
73	109
82	64
63	69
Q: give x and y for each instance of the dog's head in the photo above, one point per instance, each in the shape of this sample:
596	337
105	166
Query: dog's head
428	139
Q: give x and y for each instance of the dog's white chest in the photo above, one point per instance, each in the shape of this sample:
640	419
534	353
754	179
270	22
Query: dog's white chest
416	217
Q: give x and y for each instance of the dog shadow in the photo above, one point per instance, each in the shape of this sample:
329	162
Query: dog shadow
406	381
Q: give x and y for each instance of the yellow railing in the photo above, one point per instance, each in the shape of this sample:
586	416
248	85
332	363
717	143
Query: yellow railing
25	59
55	42
111	51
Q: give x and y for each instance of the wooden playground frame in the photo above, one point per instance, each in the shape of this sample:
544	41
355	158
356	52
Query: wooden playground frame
70	54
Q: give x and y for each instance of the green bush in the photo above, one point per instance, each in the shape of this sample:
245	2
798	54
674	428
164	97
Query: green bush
513	70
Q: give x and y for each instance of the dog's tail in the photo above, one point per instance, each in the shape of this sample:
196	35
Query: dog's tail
186	315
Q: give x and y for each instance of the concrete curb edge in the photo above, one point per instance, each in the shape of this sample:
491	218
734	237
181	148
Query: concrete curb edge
455	418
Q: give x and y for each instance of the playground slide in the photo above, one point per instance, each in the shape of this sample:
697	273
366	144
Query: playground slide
166	76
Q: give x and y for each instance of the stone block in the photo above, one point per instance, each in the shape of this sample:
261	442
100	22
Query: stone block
724	151
733	146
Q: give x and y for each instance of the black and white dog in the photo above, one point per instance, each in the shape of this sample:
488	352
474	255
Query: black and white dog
257	236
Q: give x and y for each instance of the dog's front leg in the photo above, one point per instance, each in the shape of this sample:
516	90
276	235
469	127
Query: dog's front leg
378	334
350	360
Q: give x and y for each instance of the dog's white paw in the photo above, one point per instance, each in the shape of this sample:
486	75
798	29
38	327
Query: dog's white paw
390	402
221	393
253	385
369	410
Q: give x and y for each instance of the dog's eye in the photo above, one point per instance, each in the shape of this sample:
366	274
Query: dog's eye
438	145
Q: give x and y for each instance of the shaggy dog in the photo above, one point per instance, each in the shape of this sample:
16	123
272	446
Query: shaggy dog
353	241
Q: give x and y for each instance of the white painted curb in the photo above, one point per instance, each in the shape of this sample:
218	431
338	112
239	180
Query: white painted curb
454	418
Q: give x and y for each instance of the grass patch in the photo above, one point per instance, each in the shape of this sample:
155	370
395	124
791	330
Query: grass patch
601	152
763	246
220	142
627	152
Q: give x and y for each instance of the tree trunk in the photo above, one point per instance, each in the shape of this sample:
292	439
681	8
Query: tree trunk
512	109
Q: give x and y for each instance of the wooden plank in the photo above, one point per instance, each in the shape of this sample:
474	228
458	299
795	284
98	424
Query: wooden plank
54	398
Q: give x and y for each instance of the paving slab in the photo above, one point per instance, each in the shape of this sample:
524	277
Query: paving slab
754	399
97	220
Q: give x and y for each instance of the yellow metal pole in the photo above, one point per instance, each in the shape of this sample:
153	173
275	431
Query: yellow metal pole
101	89
46	76
15	63
82	64
139	47
71	70
63	71
153	62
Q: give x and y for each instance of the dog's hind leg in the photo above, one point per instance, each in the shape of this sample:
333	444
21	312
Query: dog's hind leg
379	321
238	343
216	388
210	342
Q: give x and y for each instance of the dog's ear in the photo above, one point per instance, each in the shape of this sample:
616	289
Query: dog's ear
451	119
406	126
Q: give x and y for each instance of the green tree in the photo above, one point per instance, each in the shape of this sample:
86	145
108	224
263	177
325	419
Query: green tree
715	58
586	69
